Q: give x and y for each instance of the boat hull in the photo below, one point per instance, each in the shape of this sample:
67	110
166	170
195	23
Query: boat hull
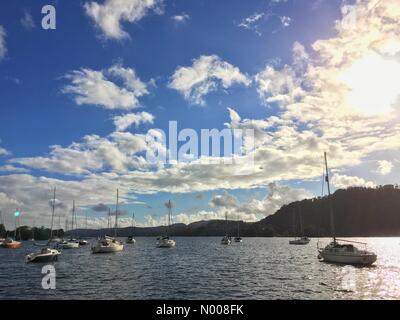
166	244
107	249
42	258
69	245
299	242
12	245
366	259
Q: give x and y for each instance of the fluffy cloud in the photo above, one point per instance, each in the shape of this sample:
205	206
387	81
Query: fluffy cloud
92	154
205	75
11	168
3	47
125	121
109	15
344	181
90	87
277	196
384	167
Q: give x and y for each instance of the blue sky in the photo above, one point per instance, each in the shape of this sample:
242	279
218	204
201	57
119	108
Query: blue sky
36	112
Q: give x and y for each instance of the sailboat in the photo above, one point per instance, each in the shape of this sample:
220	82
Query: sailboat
226	240
165	241
346	253
130	239
238	238
11	243
3	225
83	242
46	254
108	244
302	240
71	243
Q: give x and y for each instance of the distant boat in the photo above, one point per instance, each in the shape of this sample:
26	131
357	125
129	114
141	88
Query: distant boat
165	241
10	243
107	244
226	240
302	240
343	253
130	239
238	238
71	243
46	254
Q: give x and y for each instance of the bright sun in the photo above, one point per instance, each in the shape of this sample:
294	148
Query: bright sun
374	84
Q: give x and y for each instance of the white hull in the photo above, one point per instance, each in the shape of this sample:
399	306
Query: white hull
348	259
108	245
69	245
166	243
130	241
346	254
45	255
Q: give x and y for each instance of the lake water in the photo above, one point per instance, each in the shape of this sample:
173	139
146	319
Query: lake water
202	268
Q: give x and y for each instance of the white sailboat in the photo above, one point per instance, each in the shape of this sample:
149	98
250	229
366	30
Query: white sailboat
131	239
46	254
301	240
165	241
346	253
70	243
108	244
226	240
238	238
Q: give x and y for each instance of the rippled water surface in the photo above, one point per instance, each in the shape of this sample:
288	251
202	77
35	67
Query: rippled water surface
202	268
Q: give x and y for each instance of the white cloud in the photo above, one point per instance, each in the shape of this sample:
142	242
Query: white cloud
180	18
384	167
109	15
205	75
27	21
345	181
11	168
252	22
90	87
4	152
277	196
125	121
3	46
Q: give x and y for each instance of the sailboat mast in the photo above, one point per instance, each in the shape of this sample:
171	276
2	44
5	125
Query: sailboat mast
301	222
116	216
238	225
73	215
15	224
330	200
52	214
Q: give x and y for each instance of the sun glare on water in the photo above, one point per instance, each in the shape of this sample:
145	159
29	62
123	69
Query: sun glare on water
374	84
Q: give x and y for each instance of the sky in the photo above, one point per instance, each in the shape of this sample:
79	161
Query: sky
82	105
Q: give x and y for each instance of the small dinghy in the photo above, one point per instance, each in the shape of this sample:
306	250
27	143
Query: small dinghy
44	255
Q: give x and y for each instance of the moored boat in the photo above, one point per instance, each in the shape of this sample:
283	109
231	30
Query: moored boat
108	244
342	253
165	241
44	255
